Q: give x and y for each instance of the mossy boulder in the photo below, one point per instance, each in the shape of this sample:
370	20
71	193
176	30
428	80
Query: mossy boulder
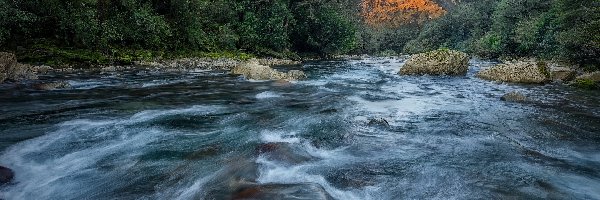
523	71
11	70
252	70
588	81
438	62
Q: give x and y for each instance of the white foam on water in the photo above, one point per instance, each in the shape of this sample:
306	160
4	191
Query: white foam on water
195	190
64	163
86	85
273	173
267	95
279	136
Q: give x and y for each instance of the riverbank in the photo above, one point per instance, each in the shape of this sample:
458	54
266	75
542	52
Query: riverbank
175	62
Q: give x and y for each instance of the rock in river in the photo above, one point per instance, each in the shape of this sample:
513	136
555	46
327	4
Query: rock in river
524	71
52	86
6	175
11	70
439	62
514	96
283	191
254	71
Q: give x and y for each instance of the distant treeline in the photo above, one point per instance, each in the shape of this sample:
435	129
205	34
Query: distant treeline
566	30
269	27
550	29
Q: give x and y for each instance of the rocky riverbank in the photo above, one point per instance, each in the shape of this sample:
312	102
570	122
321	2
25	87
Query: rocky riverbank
12	71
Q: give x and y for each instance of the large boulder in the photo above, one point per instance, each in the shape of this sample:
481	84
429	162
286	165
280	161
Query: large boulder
254	71
527	71
439	62
6	175
13	71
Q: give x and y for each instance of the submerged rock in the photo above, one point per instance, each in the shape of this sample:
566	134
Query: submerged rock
378	122
514	96
6	175
11	70
52	86
254	71
283	152
439	62
283	191
529	71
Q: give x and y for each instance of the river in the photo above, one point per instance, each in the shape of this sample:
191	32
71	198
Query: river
353	130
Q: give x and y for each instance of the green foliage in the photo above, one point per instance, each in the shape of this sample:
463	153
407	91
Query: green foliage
586	84
321	29
550	29
115	28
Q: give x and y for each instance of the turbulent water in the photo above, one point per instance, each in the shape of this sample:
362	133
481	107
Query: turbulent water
352	130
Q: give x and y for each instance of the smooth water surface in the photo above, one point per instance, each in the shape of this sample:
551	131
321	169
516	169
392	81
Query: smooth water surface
352	130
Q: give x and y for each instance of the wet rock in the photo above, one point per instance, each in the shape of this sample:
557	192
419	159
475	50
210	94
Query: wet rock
42	69
283	191
587	81
329	111
295	75
254	71
283	152
439	62
514	96
13	71
524	71
6	175
281	83
378	122
52	86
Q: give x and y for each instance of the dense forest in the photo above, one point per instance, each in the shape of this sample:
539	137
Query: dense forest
136	29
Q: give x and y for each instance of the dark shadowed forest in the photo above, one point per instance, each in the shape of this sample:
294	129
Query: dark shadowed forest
100	31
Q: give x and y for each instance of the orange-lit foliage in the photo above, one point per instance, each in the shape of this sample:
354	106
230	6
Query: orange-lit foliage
398	12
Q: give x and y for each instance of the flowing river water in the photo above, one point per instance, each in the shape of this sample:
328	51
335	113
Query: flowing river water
353	130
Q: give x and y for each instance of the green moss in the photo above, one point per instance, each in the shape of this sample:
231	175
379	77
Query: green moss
542	66
586	84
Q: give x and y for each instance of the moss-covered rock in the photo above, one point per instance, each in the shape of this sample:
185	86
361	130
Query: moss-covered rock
254	71
588	81
524	71
438	62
